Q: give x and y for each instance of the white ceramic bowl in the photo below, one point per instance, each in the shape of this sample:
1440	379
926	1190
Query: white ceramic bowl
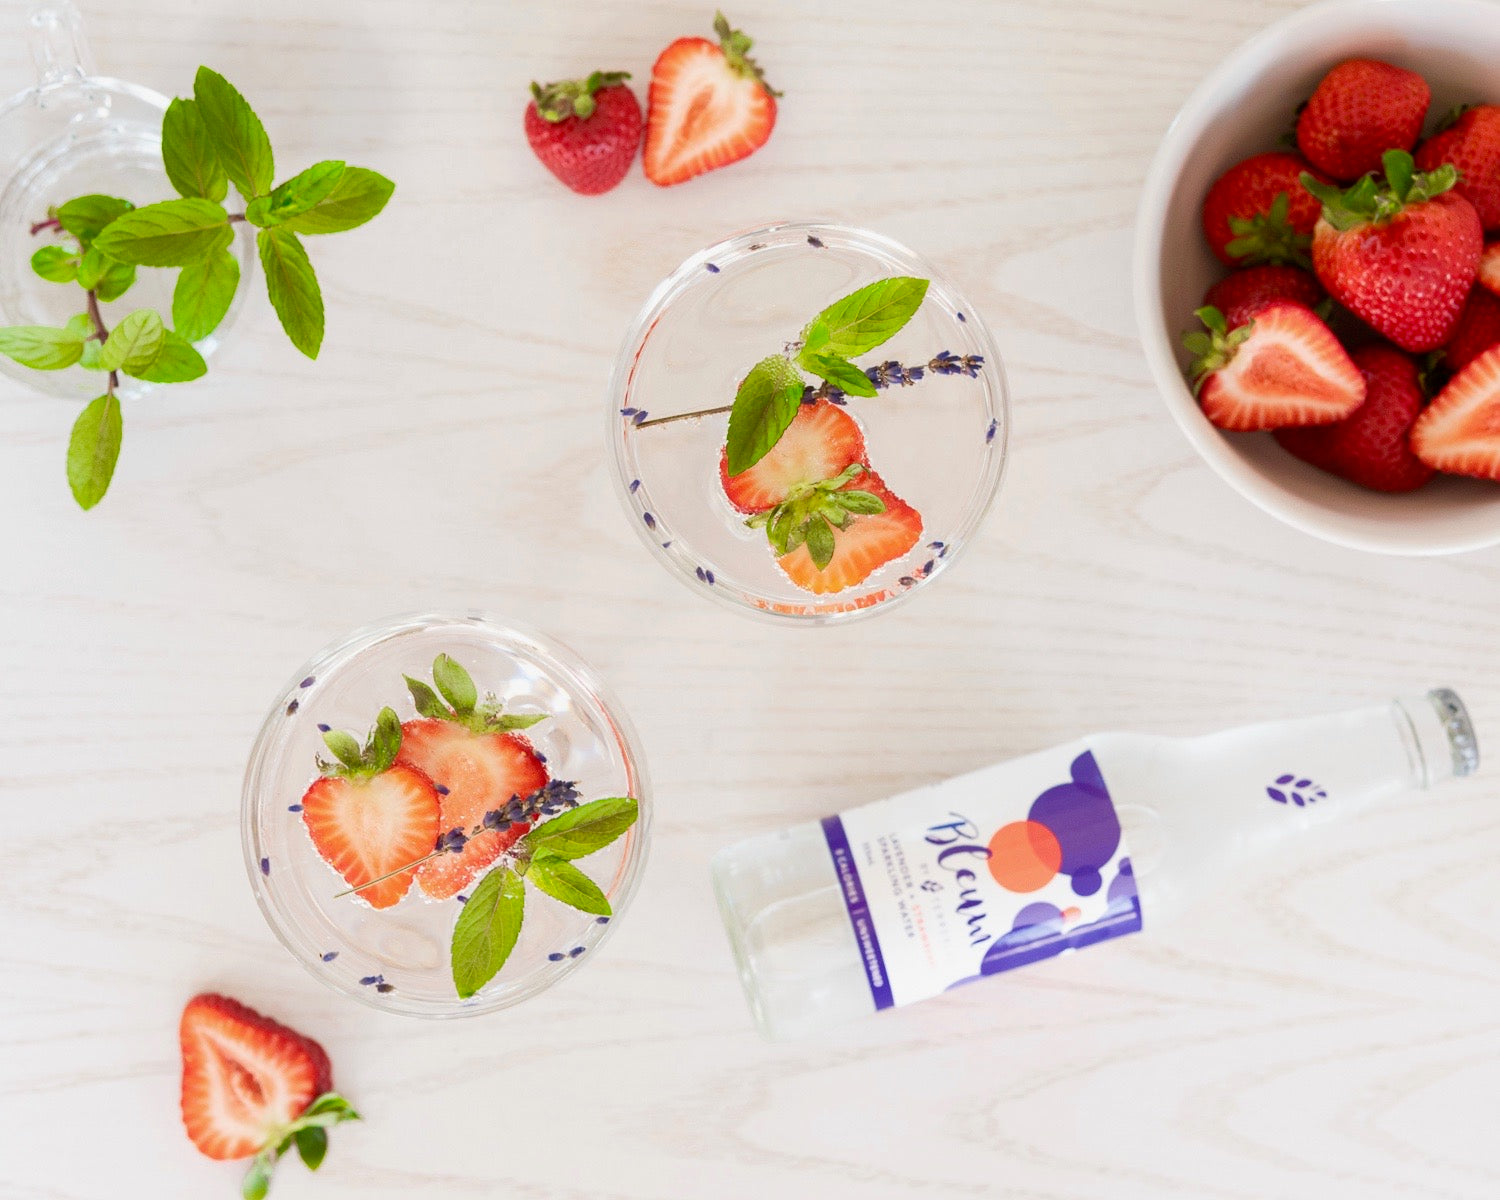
1239	110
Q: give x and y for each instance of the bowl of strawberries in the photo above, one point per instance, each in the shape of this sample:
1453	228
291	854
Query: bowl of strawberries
1317	273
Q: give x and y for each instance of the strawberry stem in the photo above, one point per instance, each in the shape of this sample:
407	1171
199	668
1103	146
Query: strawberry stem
556	102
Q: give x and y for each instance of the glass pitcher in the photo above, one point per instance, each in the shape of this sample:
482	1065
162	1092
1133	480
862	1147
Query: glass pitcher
72	134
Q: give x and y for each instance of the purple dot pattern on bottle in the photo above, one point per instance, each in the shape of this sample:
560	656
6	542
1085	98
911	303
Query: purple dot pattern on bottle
1295	790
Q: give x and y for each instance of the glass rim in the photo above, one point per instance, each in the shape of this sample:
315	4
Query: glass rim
986	490
559	658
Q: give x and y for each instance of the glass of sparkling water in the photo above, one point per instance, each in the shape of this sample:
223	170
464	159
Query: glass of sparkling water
938	443
397	958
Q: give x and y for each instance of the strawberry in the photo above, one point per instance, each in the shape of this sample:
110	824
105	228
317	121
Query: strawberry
585	131
862	546
709	106
1489	268
1477	330
368	816
1241	295
820	442
1361	109
1284	367
1471	142
1401	255
1259	212
1460	431
1372	446
480	772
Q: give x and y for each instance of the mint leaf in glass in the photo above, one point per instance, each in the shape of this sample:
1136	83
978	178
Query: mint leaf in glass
585	829
765	405
135	342
41	347
56	264
839	372
205	289
864	319
188	153
487	929
561	880
359	195
170	234
93	450
298	194
87	216
293	288
175	362
238	137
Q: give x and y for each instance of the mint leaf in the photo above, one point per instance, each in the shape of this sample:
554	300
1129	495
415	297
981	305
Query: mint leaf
840	372
293	288
864	319
426	700
764	406
188	153
359	195
298	194
80	325
170	234
312	1145
118	278
55	264
175	362
585	829
237	135
91	268
205	289
487	929
41	347
87	216
561	880
819	538
134	343
93	450
455	684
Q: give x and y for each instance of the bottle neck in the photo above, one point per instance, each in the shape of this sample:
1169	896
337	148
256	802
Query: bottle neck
1440	736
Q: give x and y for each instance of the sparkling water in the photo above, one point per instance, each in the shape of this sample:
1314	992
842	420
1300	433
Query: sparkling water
1188	811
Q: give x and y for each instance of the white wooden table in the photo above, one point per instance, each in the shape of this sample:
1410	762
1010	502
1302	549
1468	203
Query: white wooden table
1325	1028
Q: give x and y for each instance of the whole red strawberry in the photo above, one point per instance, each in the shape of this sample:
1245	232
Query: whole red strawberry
1259	212
1471	142
1361	109
1477	330
1401	254
1372	447
585	131
1241	295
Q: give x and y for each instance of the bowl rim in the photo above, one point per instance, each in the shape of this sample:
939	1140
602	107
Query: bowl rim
1196	115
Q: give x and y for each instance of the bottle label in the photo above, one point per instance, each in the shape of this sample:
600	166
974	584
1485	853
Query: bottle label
982	873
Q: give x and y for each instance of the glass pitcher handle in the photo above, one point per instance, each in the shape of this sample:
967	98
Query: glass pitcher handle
59	47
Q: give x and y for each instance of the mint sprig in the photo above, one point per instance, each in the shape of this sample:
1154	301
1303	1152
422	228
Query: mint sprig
308	1133
208	142
490	924
457	700
768	398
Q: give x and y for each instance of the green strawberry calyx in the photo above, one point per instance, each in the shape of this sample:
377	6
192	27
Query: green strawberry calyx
1214	346
1268	237
736	45
556	102
457	700
1374	200
353	761
812	511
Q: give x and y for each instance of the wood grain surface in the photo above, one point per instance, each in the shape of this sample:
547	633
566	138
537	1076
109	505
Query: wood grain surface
1325	1027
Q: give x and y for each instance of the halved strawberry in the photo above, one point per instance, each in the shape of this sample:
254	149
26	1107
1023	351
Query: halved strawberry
867	543
1460	431
244	1077
480	772
1477	330
709	106
1284	367
1489	267
366	826
821	441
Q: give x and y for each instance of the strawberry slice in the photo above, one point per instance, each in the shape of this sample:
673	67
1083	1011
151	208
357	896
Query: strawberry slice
480	772
1282	368
1460	431
244	1077
820	442
365	827
866	544
1489	268
709	106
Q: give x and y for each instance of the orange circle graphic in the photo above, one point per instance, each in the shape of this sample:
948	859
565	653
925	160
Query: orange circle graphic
1024	856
